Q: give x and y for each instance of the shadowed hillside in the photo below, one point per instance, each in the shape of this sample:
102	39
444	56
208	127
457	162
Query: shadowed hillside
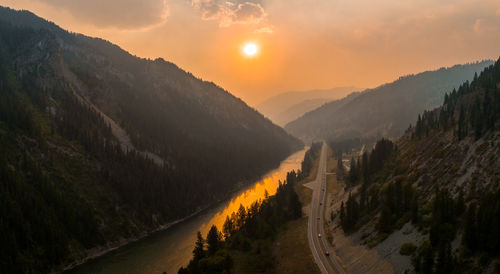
98	147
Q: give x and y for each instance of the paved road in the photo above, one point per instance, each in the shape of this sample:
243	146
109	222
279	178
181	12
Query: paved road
327	261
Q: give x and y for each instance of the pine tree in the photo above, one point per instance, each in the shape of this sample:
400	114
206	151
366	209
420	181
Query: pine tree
362	198
198	251
418	127
227	228
342	217
385	221
460	204
478	120
461	124
214	240
428	259
352	213
366	168
398	201
241	216
352	172
414	210
444	263
358	169
294	205
470	234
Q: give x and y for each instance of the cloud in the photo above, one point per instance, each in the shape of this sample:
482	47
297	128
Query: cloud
264	30
121	14
231	12
249	13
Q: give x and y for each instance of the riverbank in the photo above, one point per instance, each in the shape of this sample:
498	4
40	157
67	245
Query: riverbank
169	247
291	247
260	237
100	251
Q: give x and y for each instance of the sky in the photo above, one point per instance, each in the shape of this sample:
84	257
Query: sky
303	44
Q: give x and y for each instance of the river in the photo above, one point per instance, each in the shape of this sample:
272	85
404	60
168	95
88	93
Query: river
168	250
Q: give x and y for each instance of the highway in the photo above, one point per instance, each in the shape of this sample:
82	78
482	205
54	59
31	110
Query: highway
326	260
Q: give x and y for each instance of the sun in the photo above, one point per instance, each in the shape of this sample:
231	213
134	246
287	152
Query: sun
250	49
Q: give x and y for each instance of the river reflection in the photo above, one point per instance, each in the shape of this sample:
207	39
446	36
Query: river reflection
247	198
168	250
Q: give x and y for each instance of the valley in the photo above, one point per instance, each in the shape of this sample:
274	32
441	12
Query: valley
117	155
94	147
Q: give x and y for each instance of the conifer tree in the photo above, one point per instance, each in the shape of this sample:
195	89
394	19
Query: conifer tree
461	124
214	240
198	251
227	228
342	216
470	234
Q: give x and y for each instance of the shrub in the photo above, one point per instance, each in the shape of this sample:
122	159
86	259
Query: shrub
407	249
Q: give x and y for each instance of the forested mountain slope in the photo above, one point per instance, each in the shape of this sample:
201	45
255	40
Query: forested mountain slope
435	193
97	145
384	111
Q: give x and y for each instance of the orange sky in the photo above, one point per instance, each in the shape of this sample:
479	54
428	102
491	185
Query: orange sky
304	44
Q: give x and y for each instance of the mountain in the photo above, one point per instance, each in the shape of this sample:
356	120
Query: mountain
431	200
288	106
99	147
384	111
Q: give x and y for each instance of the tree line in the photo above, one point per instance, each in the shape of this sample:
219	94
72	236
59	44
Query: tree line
251	230
362	170
311	154
471	110
245	230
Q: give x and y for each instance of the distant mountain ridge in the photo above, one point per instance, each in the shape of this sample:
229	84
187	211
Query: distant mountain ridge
288	106
384	111
98	146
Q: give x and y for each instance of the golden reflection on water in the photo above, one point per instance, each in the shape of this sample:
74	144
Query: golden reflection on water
269	182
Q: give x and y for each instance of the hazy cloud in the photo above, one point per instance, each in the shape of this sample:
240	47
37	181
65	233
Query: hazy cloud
232	11
122	14
265	30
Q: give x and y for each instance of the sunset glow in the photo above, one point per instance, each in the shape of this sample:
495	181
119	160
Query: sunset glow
250	49
344	43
